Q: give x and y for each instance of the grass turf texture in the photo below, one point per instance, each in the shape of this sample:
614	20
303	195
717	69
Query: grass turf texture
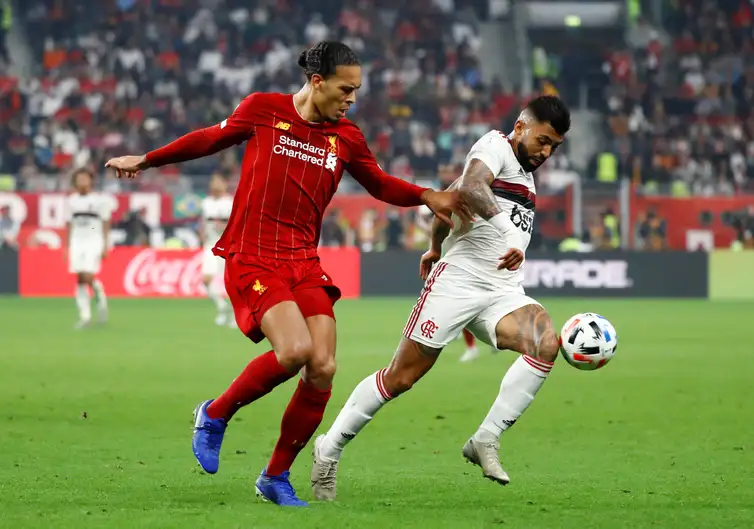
96	425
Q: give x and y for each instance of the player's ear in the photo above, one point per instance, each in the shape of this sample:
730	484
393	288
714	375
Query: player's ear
519	126
316	80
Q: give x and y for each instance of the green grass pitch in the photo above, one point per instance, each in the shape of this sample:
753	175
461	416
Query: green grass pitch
96	425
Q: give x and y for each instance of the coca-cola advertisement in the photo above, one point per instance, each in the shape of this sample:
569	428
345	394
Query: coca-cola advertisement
149	272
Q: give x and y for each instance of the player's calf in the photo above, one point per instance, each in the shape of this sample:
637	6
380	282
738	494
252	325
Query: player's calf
409	364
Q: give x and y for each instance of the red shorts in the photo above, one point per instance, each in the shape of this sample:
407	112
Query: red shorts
256	284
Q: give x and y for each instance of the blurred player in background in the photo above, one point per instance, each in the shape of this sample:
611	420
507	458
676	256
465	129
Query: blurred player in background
87	233
472	286
297	148
216	208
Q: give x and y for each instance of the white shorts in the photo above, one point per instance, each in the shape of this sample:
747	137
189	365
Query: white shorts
453	299
212	265
84	258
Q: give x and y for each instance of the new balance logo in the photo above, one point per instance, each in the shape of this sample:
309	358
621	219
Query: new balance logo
282	125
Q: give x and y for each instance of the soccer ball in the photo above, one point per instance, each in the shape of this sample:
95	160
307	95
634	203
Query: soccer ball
588	341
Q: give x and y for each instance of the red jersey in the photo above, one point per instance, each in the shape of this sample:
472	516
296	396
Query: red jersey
290	172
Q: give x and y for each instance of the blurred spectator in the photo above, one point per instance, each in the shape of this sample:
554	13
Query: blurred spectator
332	234
9	228
651	232
137	230
743	223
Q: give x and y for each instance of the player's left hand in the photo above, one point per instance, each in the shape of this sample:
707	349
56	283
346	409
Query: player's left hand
511	260
425	264
444	203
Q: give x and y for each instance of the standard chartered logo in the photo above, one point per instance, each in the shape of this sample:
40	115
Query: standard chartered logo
306	152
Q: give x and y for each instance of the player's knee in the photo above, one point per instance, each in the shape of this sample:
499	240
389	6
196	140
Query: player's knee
321	372
296	354
548	347
399	381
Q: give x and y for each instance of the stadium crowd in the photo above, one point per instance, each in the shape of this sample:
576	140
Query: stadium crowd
127	76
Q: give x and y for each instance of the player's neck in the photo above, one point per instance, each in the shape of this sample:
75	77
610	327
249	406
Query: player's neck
302	102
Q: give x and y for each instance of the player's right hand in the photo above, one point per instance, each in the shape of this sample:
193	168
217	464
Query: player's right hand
511	260
128	166
425	264
444	203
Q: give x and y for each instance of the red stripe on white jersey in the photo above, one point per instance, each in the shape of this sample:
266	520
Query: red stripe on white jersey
416	312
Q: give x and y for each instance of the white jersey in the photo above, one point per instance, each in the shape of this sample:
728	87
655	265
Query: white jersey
215	214
87	214
478	247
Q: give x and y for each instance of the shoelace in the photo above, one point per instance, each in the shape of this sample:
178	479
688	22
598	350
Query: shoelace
327	478
492	458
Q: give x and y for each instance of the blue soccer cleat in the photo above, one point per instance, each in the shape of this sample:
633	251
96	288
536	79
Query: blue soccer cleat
208	438
278	490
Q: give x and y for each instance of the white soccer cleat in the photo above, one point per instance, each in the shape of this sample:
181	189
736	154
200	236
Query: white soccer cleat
324	474
472	353
486	456
82	324
102	315
221	319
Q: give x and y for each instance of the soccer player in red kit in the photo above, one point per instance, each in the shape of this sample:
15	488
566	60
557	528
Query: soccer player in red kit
297	147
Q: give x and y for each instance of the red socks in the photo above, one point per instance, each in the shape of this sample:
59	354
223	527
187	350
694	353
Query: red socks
469	338
300	420
260	377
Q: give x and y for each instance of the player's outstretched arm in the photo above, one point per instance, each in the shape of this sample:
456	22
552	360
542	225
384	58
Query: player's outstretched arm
476	191
197	144
382	186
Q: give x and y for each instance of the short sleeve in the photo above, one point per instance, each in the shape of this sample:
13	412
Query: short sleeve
490	149
68	208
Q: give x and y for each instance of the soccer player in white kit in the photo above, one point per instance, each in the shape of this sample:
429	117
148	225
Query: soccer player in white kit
88	228
472	287
216	209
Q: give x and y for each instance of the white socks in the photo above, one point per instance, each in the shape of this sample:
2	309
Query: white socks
213	292
366	400
99	294
83	302
522	381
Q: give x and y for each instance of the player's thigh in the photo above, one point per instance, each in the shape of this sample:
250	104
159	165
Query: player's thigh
448	302
264	306
519	323
411	361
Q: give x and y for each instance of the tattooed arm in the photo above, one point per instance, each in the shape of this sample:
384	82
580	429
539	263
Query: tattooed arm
474	186
475	190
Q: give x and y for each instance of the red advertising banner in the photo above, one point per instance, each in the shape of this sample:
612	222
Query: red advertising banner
47	210
148	272
684	218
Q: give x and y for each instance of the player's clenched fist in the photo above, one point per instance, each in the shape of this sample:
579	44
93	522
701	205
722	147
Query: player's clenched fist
425	264
128	166
511	260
